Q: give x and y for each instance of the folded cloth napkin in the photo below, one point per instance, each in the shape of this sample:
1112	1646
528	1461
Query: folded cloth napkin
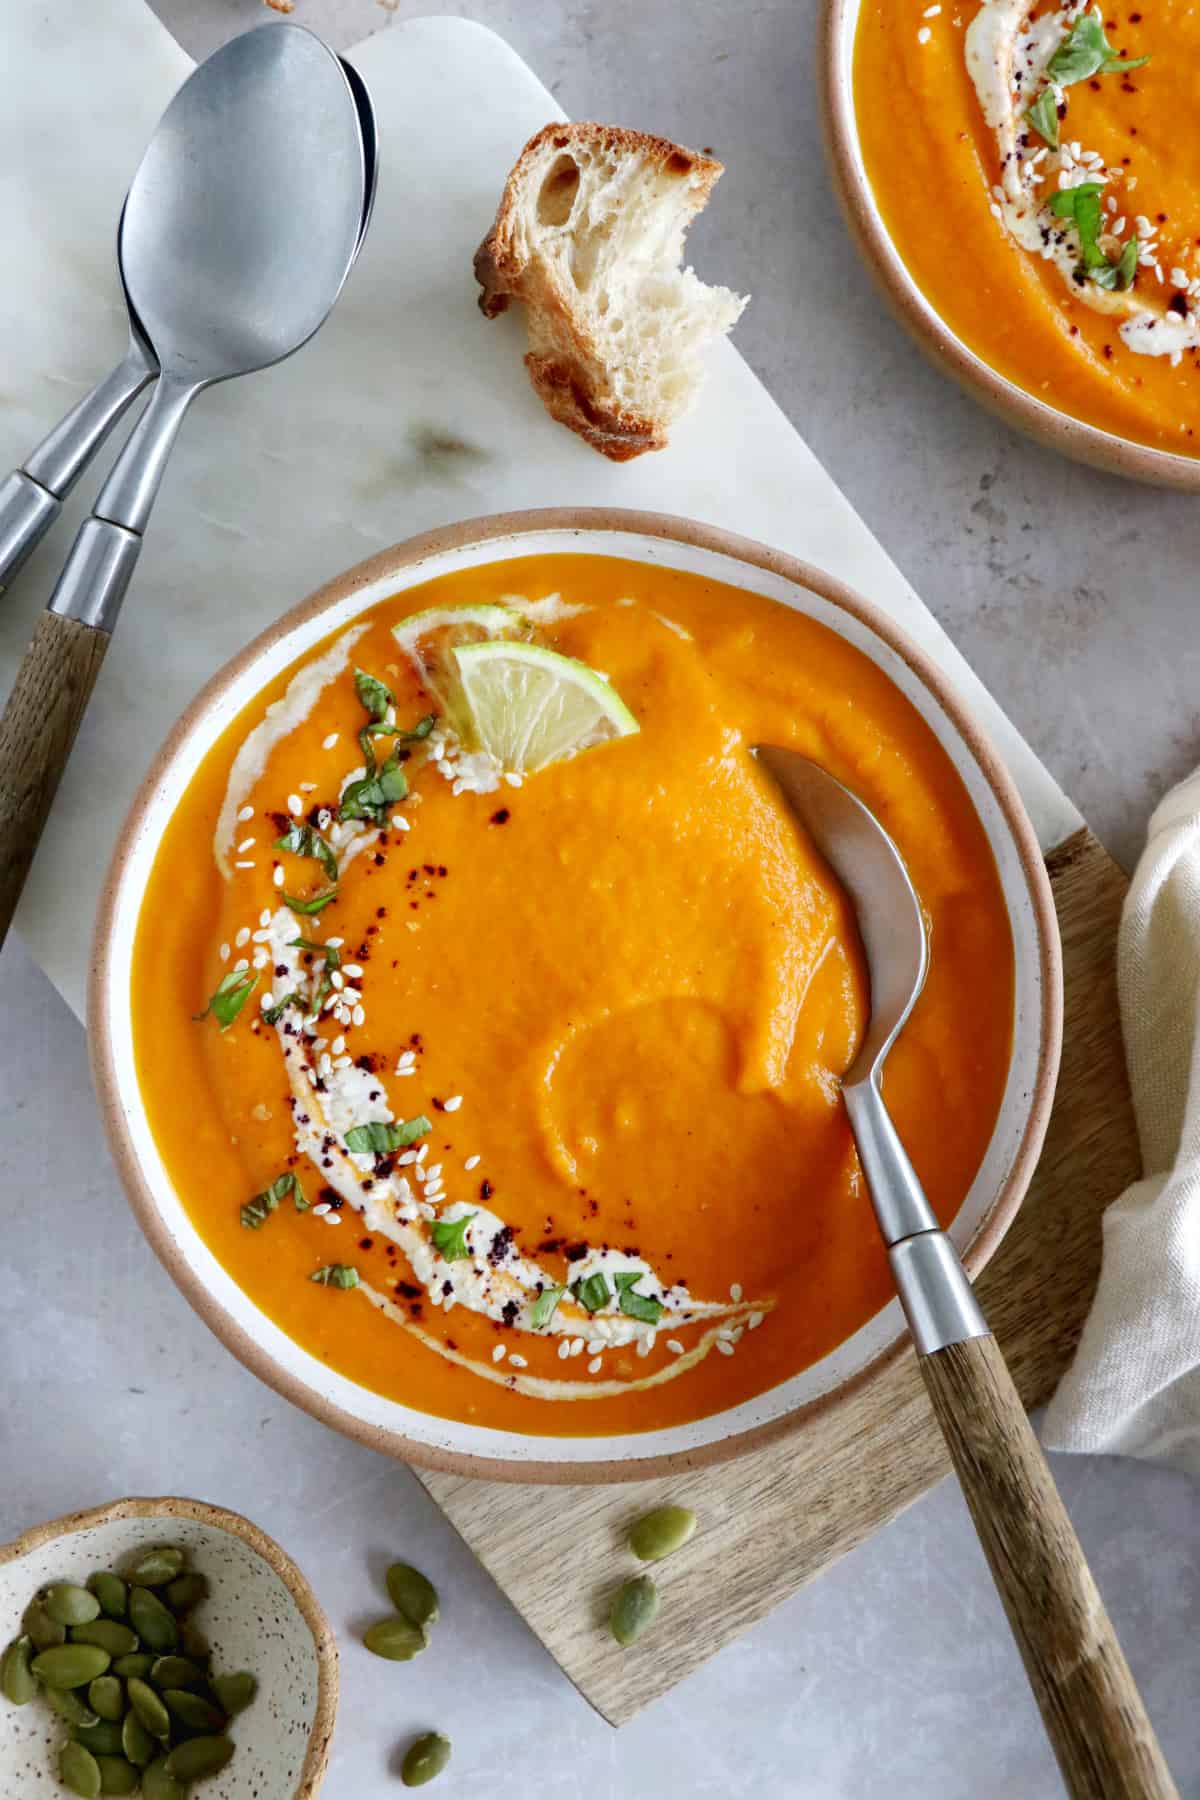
1134	1386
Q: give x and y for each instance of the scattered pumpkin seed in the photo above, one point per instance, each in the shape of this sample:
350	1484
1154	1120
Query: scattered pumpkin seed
71	1665
156	1566
635	1609
199	1756
137	1745
68	1604
43	1632
187	1590
102	1737
424	1759
79	1771
111	1592
396	1639
118	1776
18	1682
193	1642
175	1672
661	1532
106	1697
110	1634
152	1621
157	1784
193	1710
139	1664
149	1709
70	1707
235	1692
412	1594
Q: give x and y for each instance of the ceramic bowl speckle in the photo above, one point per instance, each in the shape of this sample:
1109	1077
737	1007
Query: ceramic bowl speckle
261	1615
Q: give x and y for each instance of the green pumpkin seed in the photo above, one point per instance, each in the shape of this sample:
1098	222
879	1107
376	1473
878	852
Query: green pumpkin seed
70	1707
412	1594
186	1591
117	1776
137	1746
661	1532
155	1567
150	1619
18	1682
634	1609
193	1710
193	1642
111	1592
71	1665
106	1697
140	1664
110	1634
198	1757
235	1692
70	1605
102	1737
149	1709
175	1672
424	1759
79	1771
396	1639
43	1632
158	1785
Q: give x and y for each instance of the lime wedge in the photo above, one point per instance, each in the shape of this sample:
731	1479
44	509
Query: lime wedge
528	706
428	638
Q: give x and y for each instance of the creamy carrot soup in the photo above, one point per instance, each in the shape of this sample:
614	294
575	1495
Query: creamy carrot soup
517	1094
1035	168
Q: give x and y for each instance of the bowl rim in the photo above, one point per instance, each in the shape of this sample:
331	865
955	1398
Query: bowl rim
497	527
1049	426
219	1518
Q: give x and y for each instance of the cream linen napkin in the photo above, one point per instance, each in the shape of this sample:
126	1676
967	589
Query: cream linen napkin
1134	1386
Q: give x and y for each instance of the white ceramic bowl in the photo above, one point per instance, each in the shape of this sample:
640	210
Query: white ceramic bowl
402	1430
261	1615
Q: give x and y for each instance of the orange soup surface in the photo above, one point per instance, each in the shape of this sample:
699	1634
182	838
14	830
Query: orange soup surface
1045	193
549	1090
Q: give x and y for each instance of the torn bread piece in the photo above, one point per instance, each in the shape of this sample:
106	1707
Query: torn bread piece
589	236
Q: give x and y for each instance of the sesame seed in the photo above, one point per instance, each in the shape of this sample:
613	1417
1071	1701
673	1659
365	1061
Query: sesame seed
408	1156
240	964
247	812
472	1162
308	787
499	1353
295	805
333	1218
422	1153
320	1209
224	952
353	970
265	1000
334	943
408	1069
725	1347
245	865
246	844
924	35
518	1362
674	1346
564	1349
754	1321
735	1291
277	878
264	917
338	1045
454	1102
433	1171
595	1365
576	1346
595	1345
337	978
261	936
643	1348
400	822
359	1016
330	741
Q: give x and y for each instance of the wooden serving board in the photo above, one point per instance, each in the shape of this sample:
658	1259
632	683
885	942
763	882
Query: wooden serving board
775	1519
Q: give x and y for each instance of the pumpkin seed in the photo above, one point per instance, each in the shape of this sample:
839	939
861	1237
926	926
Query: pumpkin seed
106	1697
43	1632
18	1682
396	1639
111	1592
139	1664
150	1619
137	1745
661	1532
235	1692
424	1759
71	1605
175	1672
635	1609
193	1710
102	1737
193	1642
149	1709
156	1566
79	1771
110	1634
118	1776
199	1756
187	1590
158	1785
412	1594
71	1665
70	1707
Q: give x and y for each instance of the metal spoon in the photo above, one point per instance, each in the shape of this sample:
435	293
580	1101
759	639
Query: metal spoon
240	228
1093	1713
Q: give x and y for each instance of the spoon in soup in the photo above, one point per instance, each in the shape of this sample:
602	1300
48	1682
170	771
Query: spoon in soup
1091	1708
241	226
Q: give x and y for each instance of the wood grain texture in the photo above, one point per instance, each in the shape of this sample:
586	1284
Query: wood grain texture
774	1519
1090	1707
48	700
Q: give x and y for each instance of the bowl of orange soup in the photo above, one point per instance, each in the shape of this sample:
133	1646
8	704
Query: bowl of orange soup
1020	178
468	1010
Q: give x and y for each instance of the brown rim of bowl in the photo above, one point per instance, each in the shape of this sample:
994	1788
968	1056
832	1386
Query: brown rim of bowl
320	1734
499	527
1057	430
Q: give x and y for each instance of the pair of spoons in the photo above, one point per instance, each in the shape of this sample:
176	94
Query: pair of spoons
241	226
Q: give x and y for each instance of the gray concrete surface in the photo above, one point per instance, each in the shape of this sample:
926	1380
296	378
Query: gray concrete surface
1073	595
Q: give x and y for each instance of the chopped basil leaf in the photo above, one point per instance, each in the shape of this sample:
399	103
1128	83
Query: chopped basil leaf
1121	274
332	961
1085	51
1043	116
450	1237
380	1139
337	1275
375	695
256	1212
302	840
544	1307
273	1014
371	797
592	1292
310	903
232	992
369	733
637	1306
421	729
1082	204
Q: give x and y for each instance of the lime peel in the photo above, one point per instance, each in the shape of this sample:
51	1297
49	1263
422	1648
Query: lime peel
529	706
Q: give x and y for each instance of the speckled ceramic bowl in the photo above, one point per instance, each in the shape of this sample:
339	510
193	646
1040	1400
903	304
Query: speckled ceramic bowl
261	1615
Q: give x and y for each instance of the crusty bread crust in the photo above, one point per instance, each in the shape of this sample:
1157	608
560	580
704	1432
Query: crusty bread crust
564	359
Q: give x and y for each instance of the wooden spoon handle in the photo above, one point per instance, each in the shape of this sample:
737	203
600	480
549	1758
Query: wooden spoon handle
47	703
1092	1710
